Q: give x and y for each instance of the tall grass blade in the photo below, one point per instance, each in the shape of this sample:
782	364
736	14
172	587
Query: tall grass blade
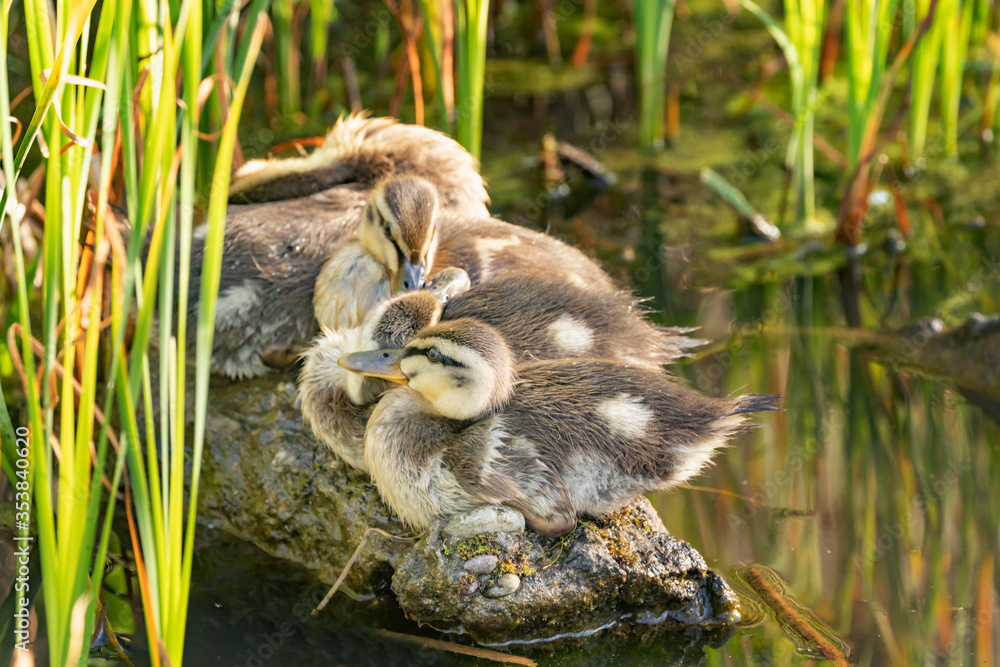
652	21
472	17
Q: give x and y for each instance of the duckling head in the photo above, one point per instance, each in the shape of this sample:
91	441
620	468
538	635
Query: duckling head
397	320
462	367
399	229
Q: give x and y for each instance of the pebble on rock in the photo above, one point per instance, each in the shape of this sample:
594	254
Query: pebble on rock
490	519
481	564
470	587
507	585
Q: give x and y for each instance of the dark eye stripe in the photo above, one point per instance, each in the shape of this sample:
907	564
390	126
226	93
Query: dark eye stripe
443	360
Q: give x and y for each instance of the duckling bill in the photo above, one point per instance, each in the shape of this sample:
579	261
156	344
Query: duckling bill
554	439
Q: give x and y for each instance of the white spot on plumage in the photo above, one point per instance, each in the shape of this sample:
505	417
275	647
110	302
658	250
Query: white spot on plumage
625	415
237	303
571	335
488	248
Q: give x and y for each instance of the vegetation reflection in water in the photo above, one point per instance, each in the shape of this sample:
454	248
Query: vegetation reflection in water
870	496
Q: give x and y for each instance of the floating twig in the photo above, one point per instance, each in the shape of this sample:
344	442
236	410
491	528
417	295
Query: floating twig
350	563
765	583
786	511
475	651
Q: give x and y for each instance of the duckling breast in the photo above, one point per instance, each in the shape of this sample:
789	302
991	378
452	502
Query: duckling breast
351	283
404	451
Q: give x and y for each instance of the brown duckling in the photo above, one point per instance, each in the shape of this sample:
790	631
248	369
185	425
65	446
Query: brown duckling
553	439
302	211
361	151
268	310
335	402
538	319
395	246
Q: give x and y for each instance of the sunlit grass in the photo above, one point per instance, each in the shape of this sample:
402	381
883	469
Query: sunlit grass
955	18
471	19
926	55
652	21
69	449
800	41
869	29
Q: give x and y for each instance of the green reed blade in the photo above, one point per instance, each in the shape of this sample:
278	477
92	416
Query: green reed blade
471	20
652	21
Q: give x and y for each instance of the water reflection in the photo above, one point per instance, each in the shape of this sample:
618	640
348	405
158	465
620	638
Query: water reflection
871	496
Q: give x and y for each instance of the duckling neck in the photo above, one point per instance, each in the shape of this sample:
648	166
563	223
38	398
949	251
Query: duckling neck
405	421
404	445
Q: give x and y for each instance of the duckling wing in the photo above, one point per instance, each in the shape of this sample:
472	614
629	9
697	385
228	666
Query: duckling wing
359	151
335	402
487	247
506	469
612	431
543	318
272	180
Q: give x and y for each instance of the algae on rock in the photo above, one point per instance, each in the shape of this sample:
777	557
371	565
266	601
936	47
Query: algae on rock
266	478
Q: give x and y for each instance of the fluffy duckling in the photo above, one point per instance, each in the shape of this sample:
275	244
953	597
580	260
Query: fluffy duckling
395	246
337	403
553	439
360	150
274	297
538	319
289	218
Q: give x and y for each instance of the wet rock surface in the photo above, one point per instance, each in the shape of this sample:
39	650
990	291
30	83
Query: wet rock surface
268	480
622	570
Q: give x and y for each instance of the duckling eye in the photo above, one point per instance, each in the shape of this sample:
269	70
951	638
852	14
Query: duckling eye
433	355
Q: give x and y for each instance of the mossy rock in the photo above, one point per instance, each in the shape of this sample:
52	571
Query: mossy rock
267	479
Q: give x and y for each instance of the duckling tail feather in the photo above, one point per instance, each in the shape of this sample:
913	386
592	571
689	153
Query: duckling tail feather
756	403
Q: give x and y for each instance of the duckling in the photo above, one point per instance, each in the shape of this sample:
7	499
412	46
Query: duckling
395	246
297	214
553	439
337	403
280	283
360	150
538	319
